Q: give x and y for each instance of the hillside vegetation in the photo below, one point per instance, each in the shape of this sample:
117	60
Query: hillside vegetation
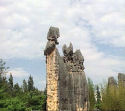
19	98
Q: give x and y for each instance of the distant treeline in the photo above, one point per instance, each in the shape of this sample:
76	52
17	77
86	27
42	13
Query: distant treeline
19	98
107	97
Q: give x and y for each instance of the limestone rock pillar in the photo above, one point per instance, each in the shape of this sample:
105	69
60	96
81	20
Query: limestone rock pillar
67	88
52	82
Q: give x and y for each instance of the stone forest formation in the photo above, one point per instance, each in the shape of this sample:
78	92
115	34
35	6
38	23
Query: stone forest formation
67	88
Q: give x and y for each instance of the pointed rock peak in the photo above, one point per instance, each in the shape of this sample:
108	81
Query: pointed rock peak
70	45
121	77
64	49
64	46
111	81
79	54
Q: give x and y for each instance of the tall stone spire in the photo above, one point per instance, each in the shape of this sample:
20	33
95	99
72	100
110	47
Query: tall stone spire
67	88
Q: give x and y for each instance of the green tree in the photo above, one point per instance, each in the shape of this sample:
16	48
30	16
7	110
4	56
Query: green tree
10	83
110	98
3	85
25	86
3	72
3	79
98	98
15	104
44	100
121	94
16	89
91	94
30	84
3	68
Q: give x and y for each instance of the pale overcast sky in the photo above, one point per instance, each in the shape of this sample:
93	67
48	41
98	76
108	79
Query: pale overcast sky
96	27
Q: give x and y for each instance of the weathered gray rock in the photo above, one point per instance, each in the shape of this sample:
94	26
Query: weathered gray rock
67	88
50	46
52	36
112	81
73	88
64	49
68	52
78	59
121	78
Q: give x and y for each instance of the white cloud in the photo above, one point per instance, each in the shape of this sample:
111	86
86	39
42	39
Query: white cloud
18	73
24	25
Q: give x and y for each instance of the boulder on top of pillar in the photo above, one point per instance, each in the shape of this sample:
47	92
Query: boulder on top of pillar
52	36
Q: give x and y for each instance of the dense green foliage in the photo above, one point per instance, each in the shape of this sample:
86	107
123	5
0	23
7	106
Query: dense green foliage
91	94
108	98
113	98
19	98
